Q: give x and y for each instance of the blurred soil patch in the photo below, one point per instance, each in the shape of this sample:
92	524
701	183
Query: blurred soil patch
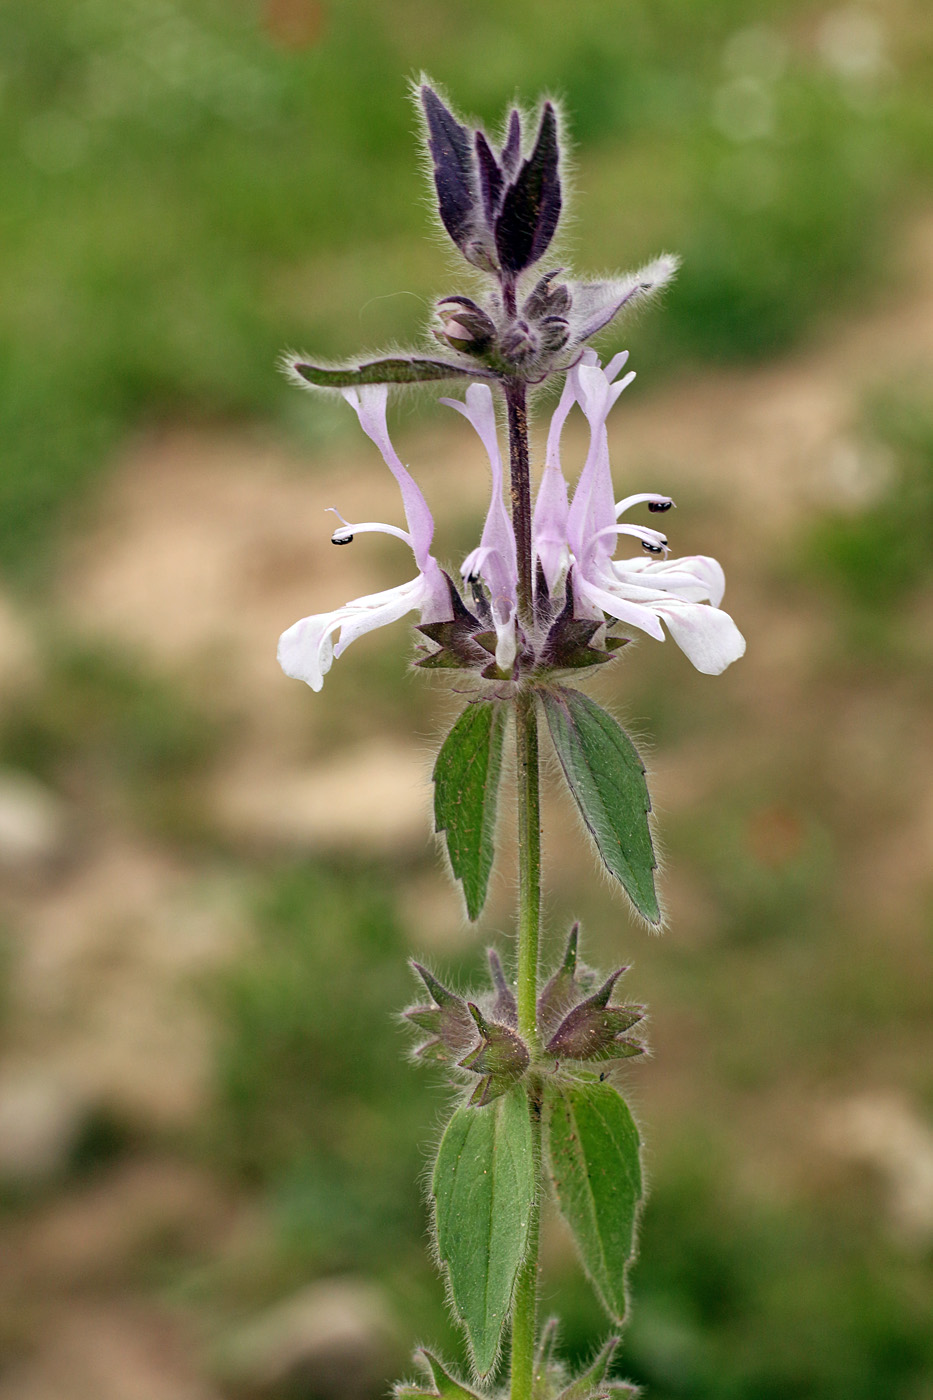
793	796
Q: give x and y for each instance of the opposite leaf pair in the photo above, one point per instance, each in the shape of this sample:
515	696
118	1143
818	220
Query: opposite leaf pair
483	1189
602	769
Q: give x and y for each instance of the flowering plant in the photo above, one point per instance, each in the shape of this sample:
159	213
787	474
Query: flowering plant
541	600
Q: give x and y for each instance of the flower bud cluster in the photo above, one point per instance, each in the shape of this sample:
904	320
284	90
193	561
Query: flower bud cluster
502	213
479	1032
523	343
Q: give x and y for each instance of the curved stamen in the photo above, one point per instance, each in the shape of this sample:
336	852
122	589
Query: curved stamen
651	499
652	540
347	530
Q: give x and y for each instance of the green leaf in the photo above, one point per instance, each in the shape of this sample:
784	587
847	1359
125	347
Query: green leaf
593	1150
607	778
397	370
466	788
483	1188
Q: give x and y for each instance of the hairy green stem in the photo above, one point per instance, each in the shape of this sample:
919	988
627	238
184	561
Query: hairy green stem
525	1311
516	395
529	863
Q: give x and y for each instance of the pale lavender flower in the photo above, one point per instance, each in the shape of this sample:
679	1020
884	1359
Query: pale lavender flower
307	650
684	594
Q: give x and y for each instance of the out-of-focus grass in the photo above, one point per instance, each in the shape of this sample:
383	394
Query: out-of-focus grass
99	721
741	1300
316	1106
315	1100
874	550
188	188
768	866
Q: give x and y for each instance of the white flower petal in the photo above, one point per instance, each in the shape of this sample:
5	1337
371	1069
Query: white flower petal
631	613
706	635
306	650
695	578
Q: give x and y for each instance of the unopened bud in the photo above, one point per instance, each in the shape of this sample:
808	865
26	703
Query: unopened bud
548	298
464	325
555	332
520	343
501	1057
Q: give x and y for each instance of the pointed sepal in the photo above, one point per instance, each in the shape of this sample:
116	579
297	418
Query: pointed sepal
455	639
448	1021
443	1385
546	1363
505	1007
591	1382
451	149
567	644
531	205
491	181
565	987
511	152
551	1381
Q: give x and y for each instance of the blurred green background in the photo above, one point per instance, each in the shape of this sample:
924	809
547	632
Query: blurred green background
210	1144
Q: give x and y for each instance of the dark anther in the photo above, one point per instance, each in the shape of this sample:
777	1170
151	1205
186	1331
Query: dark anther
341	539
659	506
650	548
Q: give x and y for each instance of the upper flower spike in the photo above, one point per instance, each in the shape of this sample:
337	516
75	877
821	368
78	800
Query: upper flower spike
501	206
